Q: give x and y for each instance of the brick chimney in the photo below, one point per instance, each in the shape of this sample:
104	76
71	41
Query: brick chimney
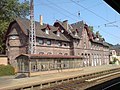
41	20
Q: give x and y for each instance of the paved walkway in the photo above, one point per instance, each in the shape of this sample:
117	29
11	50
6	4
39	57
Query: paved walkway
9	83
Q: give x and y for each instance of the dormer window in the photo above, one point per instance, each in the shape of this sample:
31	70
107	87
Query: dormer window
47	31
62	31
58	33
76	34
97	39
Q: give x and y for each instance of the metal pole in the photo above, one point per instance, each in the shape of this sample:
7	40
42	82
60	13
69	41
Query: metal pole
32	34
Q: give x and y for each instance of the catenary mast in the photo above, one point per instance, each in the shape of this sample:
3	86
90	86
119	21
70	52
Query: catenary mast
32	34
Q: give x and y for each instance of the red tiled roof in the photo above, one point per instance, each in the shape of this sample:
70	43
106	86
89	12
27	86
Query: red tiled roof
38	56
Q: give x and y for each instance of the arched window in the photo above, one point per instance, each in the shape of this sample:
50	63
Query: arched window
59	43
41	53
84	45
60	53
82	54
49	53
66	54
13	37
41	41
48	42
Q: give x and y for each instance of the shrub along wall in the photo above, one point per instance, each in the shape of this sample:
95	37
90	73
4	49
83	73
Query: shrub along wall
6	70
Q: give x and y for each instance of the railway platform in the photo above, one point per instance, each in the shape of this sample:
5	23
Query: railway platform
48	79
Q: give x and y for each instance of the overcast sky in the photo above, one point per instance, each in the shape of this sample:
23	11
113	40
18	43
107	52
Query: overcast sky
94	12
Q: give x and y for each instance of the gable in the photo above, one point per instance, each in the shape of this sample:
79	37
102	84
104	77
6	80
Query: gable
85	34
66	33
13	31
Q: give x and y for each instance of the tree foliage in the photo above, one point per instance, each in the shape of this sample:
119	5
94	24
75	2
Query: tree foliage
9	10
98	34
91	28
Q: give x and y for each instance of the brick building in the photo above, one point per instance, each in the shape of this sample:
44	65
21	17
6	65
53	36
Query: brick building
59	39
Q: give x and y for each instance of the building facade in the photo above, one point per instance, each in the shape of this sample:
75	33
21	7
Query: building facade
59	39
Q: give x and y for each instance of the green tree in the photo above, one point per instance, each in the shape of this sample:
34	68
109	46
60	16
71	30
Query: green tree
91	28
98	34
9	10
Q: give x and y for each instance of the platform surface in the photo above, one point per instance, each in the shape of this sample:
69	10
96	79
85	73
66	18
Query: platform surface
9	82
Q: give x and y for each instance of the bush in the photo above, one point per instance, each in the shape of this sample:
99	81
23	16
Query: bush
6	70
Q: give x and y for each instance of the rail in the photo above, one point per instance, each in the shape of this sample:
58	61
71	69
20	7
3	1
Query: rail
50	85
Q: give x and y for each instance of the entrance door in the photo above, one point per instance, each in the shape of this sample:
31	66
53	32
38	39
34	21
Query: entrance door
57	64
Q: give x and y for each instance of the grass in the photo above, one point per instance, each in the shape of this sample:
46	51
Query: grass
6	70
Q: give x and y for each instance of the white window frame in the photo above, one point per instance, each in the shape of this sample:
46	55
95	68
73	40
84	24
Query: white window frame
48	43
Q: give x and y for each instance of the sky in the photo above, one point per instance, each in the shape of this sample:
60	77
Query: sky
95	13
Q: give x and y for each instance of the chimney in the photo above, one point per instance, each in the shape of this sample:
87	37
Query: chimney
65	24
41	20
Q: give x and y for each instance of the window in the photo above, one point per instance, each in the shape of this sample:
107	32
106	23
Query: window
41	41
76	34
65	44
48	42
58	33
91	46
13	37
49	53
41	53
60	53
66	54
84	44
47	31
62	31
82	54
59	43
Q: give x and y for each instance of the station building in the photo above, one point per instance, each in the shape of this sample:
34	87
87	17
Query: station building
61	45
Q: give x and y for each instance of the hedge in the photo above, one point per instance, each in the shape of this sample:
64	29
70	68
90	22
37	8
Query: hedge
6	70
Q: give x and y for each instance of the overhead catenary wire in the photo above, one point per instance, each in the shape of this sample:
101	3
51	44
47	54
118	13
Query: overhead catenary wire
81	17
51	7
89	10
63	9
92	12
93	6
108	24
110	35
60	12
51	3
77	15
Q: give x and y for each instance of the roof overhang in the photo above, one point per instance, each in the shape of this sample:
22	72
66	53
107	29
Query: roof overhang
44	56
115	4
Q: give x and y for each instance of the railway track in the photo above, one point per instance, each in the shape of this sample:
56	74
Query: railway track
71	82
83	82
